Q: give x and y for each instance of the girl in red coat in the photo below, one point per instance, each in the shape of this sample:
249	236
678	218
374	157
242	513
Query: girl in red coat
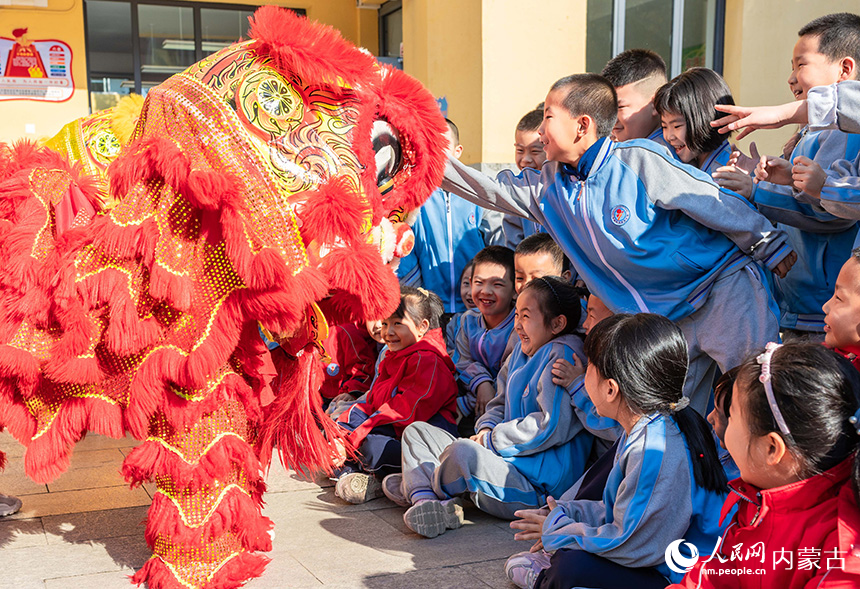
793	433
415	383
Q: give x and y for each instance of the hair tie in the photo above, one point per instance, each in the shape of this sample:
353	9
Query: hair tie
854	420
424	292
679	405
551	287
766	379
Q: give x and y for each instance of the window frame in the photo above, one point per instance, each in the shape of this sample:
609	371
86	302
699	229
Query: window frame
196	7
619	11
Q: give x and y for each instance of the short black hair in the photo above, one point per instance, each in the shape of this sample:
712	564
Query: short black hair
633	65
531	121
838	35
556	298
724	388
693	95
542	243
455	132
420	304
592	95
498	255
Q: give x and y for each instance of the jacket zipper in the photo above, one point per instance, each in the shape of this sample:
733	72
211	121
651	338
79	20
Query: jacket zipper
580	197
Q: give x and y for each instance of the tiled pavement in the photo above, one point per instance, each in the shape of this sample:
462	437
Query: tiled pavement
84	531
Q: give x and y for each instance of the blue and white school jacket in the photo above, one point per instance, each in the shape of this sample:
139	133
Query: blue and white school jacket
822	240
516	228
646	232
449	231
479	353
533	425
651	499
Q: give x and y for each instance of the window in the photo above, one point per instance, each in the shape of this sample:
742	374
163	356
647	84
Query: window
391	33
135	45
686	33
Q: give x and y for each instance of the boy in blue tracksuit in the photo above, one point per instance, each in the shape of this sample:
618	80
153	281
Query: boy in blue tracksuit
528	154
486	336
646	232
449	231
797	201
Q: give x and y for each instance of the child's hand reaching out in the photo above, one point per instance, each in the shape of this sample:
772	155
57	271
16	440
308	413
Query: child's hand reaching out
564	373
531	523
773	169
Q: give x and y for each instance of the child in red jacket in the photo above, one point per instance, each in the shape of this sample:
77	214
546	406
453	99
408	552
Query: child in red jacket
415	383
793	433
354	348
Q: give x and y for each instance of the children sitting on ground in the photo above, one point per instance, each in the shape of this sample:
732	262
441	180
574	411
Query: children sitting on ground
486	335
666	482
448	232
793	432
529	443
528	153
613	207
827	51
636	75
538	255
415	383
353	349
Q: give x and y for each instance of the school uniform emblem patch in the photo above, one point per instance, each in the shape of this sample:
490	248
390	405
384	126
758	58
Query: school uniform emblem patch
620	215
472	219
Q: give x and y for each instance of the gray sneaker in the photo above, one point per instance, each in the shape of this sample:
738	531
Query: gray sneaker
358	487
392	486
9	505
431	518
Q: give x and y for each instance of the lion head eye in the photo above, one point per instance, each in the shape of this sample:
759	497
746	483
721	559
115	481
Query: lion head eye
389	156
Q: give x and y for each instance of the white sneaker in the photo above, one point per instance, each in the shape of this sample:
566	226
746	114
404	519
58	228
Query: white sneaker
392	486
523	569
431	517
358	487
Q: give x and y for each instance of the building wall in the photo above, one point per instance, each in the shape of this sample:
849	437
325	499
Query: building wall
64	20
760	37
493	60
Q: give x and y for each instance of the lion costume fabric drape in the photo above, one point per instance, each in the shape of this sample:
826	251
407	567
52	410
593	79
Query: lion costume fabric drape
258	190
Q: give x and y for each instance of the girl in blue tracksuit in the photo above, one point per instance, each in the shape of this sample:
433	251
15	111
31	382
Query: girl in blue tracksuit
686	108
666	484
530	442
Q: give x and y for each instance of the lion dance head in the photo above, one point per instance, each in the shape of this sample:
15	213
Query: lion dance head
263	189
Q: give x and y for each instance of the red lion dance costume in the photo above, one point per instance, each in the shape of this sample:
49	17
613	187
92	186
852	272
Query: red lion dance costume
260	189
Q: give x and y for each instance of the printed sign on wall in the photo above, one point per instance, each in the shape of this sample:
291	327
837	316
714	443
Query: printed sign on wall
35	70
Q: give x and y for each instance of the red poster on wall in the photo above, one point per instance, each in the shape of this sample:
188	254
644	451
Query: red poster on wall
35	70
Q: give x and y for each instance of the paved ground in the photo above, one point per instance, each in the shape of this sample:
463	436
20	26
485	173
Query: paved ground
84	531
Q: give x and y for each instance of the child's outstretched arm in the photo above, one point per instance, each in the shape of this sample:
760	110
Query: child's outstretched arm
508	193
675	186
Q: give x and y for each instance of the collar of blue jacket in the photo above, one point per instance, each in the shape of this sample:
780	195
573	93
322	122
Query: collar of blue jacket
581	170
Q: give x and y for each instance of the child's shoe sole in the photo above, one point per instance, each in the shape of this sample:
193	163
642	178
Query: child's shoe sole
431	518
358	487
